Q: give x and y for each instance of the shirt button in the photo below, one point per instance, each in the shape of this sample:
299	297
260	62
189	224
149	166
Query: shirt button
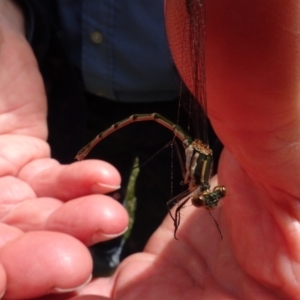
100	93
96	37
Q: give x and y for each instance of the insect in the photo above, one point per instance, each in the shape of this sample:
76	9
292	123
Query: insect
198	164
198	155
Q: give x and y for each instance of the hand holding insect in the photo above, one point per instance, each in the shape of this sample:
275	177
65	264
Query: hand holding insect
253	96
253	103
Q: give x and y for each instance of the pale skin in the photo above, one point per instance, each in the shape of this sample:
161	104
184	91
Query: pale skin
253	102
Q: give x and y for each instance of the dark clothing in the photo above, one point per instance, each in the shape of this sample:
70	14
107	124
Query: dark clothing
67	113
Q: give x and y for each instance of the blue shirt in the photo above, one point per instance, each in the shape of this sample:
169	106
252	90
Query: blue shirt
121	48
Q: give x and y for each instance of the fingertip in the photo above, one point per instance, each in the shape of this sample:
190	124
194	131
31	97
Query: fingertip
86	177
3	281
63	290
103	188
90	219
104	173
99	236
52	260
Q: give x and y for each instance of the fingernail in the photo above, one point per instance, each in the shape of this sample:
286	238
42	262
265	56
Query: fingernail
62	290
98	236
104	188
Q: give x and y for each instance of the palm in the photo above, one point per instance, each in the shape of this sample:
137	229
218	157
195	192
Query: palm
37	221
250	260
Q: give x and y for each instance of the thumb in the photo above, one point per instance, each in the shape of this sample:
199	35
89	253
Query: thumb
253	87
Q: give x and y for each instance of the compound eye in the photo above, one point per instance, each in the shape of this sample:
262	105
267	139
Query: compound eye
198	201
221	190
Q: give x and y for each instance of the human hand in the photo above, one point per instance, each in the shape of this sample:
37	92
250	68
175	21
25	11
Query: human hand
252	77
253	102
49	212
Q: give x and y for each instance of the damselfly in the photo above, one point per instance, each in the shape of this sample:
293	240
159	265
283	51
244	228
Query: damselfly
199	159
198	164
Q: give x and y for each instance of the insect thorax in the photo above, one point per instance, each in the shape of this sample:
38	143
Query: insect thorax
199	161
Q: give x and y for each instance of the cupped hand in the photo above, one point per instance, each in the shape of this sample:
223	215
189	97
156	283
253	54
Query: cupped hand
49	212
253	63
58	211
252	85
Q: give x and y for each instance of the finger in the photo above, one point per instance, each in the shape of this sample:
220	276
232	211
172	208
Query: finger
98	286
251	88
13	191
70	297
90	297
17	150
261	94
65	182
60	263
3	281
32	214
8	233
91	219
